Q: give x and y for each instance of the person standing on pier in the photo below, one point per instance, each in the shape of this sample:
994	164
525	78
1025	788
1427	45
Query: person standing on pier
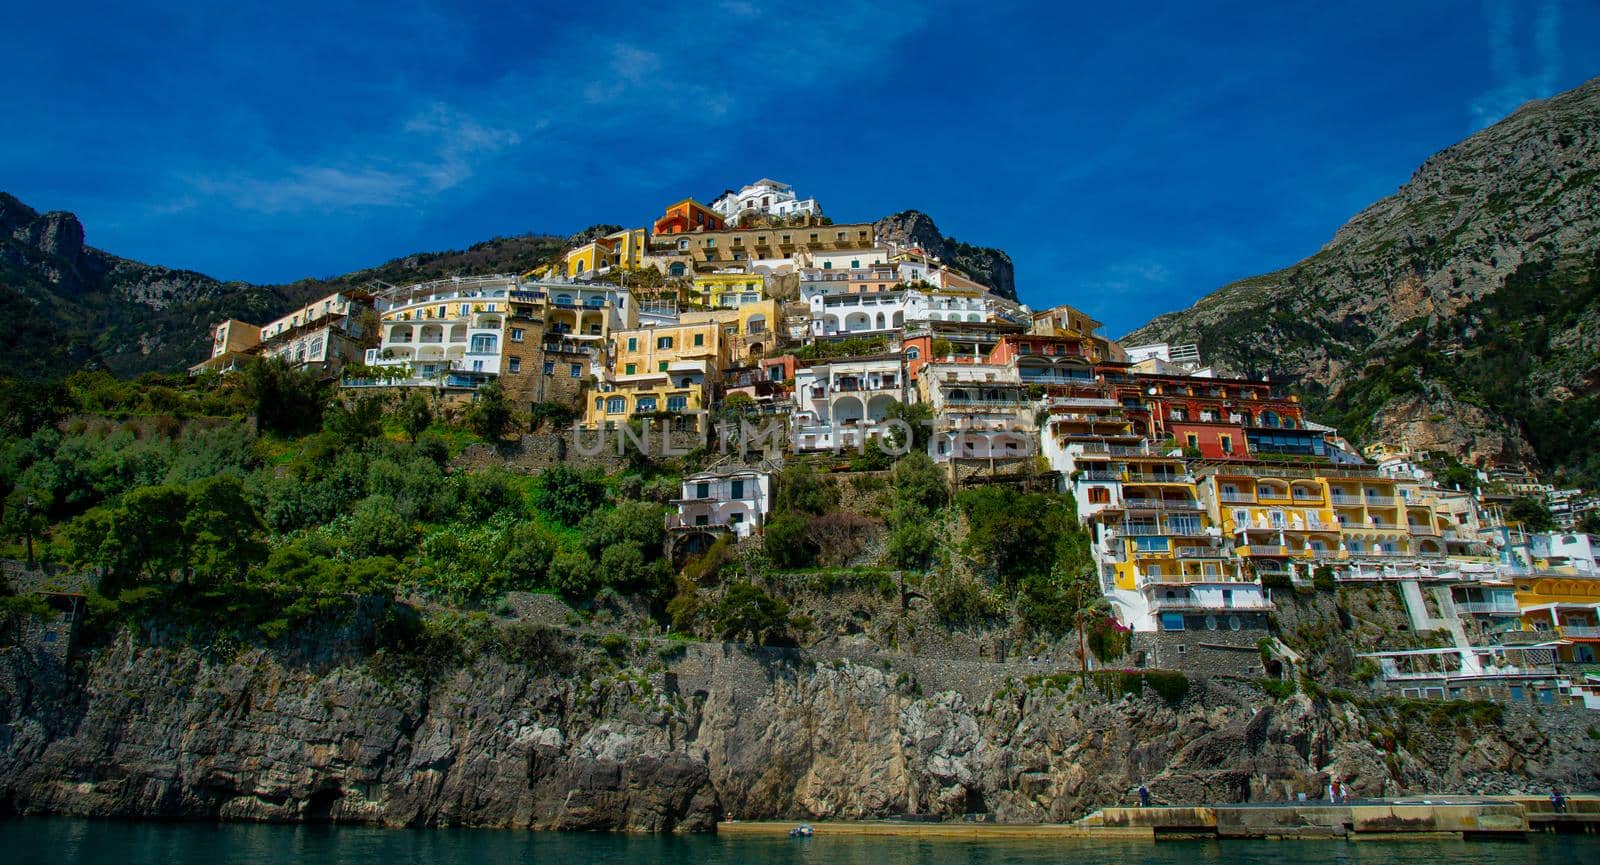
1144	796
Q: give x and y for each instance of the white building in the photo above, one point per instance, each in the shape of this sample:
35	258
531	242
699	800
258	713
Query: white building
734	499
857	315
449	331
1573	550
839	403
982	411
766	197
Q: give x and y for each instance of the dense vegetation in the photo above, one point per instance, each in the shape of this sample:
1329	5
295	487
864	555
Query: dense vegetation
262	502
315	505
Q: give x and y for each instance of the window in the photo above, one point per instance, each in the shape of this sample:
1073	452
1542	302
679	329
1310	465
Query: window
855	264
1227	444
483	344
616	405
514	364
644	404
1172	622
699	339
630	369
576	370
550	368
738	488
633	343
826	265
1192	440
1024	348
1099	496
516	334
661	367
663	342
677	403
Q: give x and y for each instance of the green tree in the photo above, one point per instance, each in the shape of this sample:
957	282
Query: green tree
747	613
787	540
802	490
916	416
356	421
415	416
285	400
222	533
918	481
27	516
566	495
378	529
490	413
1532	513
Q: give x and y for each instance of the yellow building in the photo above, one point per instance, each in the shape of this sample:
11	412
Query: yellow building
750	329
1162	532
1375	520
624	248
724	290
1273	514
1565	608
660	370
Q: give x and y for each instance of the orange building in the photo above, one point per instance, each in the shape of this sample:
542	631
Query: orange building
688	215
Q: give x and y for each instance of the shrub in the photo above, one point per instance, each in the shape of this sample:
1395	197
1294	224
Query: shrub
567	496
787	541
746	612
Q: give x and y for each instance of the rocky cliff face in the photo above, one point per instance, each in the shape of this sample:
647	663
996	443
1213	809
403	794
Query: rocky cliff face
664	742
987	265
1459	314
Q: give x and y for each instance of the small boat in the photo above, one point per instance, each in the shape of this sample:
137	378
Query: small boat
804	830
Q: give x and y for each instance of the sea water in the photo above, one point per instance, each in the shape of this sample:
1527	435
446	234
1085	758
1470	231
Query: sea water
58	841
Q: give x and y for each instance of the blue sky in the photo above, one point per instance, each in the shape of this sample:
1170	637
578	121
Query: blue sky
1130	159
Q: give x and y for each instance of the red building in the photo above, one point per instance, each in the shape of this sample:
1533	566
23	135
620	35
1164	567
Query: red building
688	215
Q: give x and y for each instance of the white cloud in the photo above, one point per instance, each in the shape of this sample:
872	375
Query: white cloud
1512	84
658	76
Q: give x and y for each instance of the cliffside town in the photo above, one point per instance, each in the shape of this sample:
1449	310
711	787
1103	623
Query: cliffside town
745	511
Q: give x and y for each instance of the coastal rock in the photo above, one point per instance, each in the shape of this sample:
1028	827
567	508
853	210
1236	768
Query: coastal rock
135	730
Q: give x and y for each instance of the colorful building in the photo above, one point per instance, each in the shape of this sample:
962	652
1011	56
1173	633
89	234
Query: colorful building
687	216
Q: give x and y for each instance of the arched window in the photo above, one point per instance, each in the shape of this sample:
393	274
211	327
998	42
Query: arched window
616	405
913	353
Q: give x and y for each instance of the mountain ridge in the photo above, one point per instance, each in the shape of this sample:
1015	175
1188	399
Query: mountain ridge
65	305
1456	315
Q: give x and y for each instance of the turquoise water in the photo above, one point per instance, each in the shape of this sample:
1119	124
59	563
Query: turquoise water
26	841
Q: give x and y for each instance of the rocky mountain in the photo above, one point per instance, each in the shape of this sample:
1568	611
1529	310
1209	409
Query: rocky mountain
65	305
1461	314
987	265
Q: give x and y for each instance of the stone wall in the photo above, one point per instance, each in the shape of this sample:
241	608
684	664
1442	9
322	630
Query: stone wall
581	449
1203	652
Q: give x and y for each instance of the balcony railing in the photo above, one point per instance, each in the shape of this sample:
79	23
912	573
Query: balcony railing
1238	498
1486	607
1581	632
1162	505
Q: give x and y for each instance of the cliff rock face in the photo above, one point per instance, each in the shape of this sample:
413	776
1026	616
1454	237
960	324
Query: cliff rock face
1474	291
987	265
146	731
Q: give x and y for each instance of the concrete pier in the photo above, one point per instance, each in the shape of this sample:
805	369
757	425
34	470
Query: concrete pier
1415	817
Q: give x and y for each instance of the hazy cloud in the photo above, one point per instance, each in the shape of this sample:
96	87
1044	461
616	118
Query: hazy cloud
1516	80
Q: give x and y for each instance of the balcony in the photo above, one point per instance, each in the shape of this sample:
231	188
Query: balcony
1581	632
1382	501
1161	505
1238	498
1098	476
1487	608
